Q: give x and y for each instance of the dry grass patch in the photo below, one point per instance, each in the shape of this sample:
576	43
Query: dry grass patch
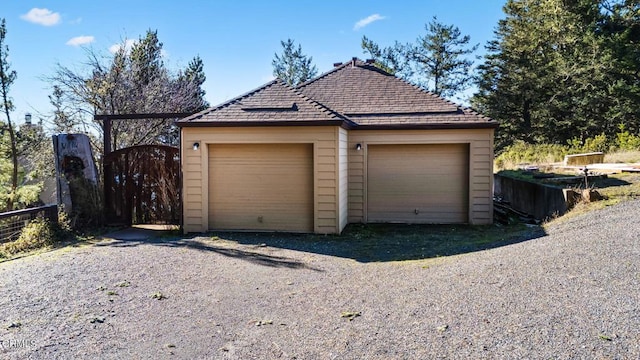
623	157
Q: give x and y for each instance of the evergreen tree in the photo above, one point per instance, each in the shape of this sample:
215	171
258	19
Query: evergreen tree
292	66
438	61
621	31
391	59
441	57
557	70
194	77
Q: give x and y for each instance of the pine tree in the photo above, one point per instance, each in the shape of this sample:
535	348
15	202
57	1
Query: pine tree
438	61
292	66
194	77
441	56
391	59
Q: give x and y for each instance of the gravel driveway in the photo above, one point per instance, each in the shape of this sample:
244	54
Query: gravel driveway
573	294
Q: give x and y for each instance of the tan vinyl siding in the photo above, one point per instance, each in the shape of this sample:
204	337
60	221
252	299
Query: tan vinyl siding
418	184
191	188
343	181
261	187
480	145
481	169
356	181
325	168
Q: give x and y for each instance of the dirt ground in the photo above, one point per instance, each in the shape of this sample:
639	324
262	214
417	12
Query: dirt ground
570	293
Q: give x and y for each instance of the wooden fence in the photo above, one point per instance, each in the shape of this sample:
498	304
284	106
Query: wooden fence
12	222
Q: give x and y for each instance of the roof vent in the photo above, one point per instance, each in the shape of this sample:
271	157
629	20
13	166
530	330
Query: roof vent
337	64
370	61
353	61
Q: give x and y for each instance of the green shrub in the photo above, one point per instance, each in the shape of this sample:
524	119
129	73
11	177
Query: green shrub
597	143
627	141
64	221
37	234
524	153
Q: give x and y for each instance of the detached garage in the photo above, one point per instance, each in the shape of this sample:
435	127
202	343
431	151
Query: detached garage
355	144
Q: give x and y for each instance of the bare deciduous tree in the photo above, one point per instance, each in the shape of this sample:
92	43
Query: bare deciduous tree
128	82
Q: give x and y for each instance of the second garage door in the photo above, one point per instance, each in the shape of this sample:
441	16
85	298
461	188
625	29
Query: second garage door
418	183
261	187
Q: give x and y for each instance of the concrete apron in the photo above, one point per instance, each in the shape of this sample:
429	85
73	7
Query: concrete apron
140	232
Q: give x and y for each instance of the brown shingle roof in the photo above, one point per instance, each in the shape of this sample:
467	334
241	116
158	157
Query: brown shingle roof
354	94
274	102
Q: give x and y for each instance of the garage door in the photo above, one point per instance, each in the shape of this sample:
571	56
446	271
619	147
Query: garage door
418	183
261	187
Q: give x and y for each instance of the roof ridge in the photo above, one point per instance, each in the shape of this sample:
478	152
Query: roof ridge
321	107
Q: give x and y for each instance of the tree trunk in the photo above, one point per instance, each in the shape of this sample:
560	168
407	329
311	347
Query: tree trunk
14	159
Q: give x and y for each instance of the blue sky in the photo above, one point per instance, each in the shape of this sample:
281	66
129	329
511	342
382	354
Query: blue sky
236	39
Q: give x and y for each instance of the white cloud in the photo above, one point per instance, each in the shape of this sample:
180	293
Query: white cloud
44	17
366	21
80	40
128	44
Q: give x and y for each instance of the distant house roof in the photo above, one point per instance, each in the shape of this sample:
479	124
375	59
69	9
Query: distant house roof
354	95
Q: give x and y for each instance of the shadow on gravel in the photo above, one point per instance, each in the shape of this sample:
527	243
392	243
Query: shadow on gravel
363	243
609	182
172	239
394	242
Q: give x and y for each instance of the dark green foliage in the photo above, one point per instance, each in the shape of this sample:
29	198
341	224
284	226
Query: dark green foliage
292	66
194	76
558	70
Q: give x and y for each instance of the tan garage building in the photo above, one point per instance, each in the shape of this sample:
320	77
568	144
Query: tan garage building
355	144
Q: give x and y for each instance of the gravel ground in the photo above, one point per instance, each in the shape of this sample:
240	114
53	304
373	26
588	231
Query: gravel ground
573	294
